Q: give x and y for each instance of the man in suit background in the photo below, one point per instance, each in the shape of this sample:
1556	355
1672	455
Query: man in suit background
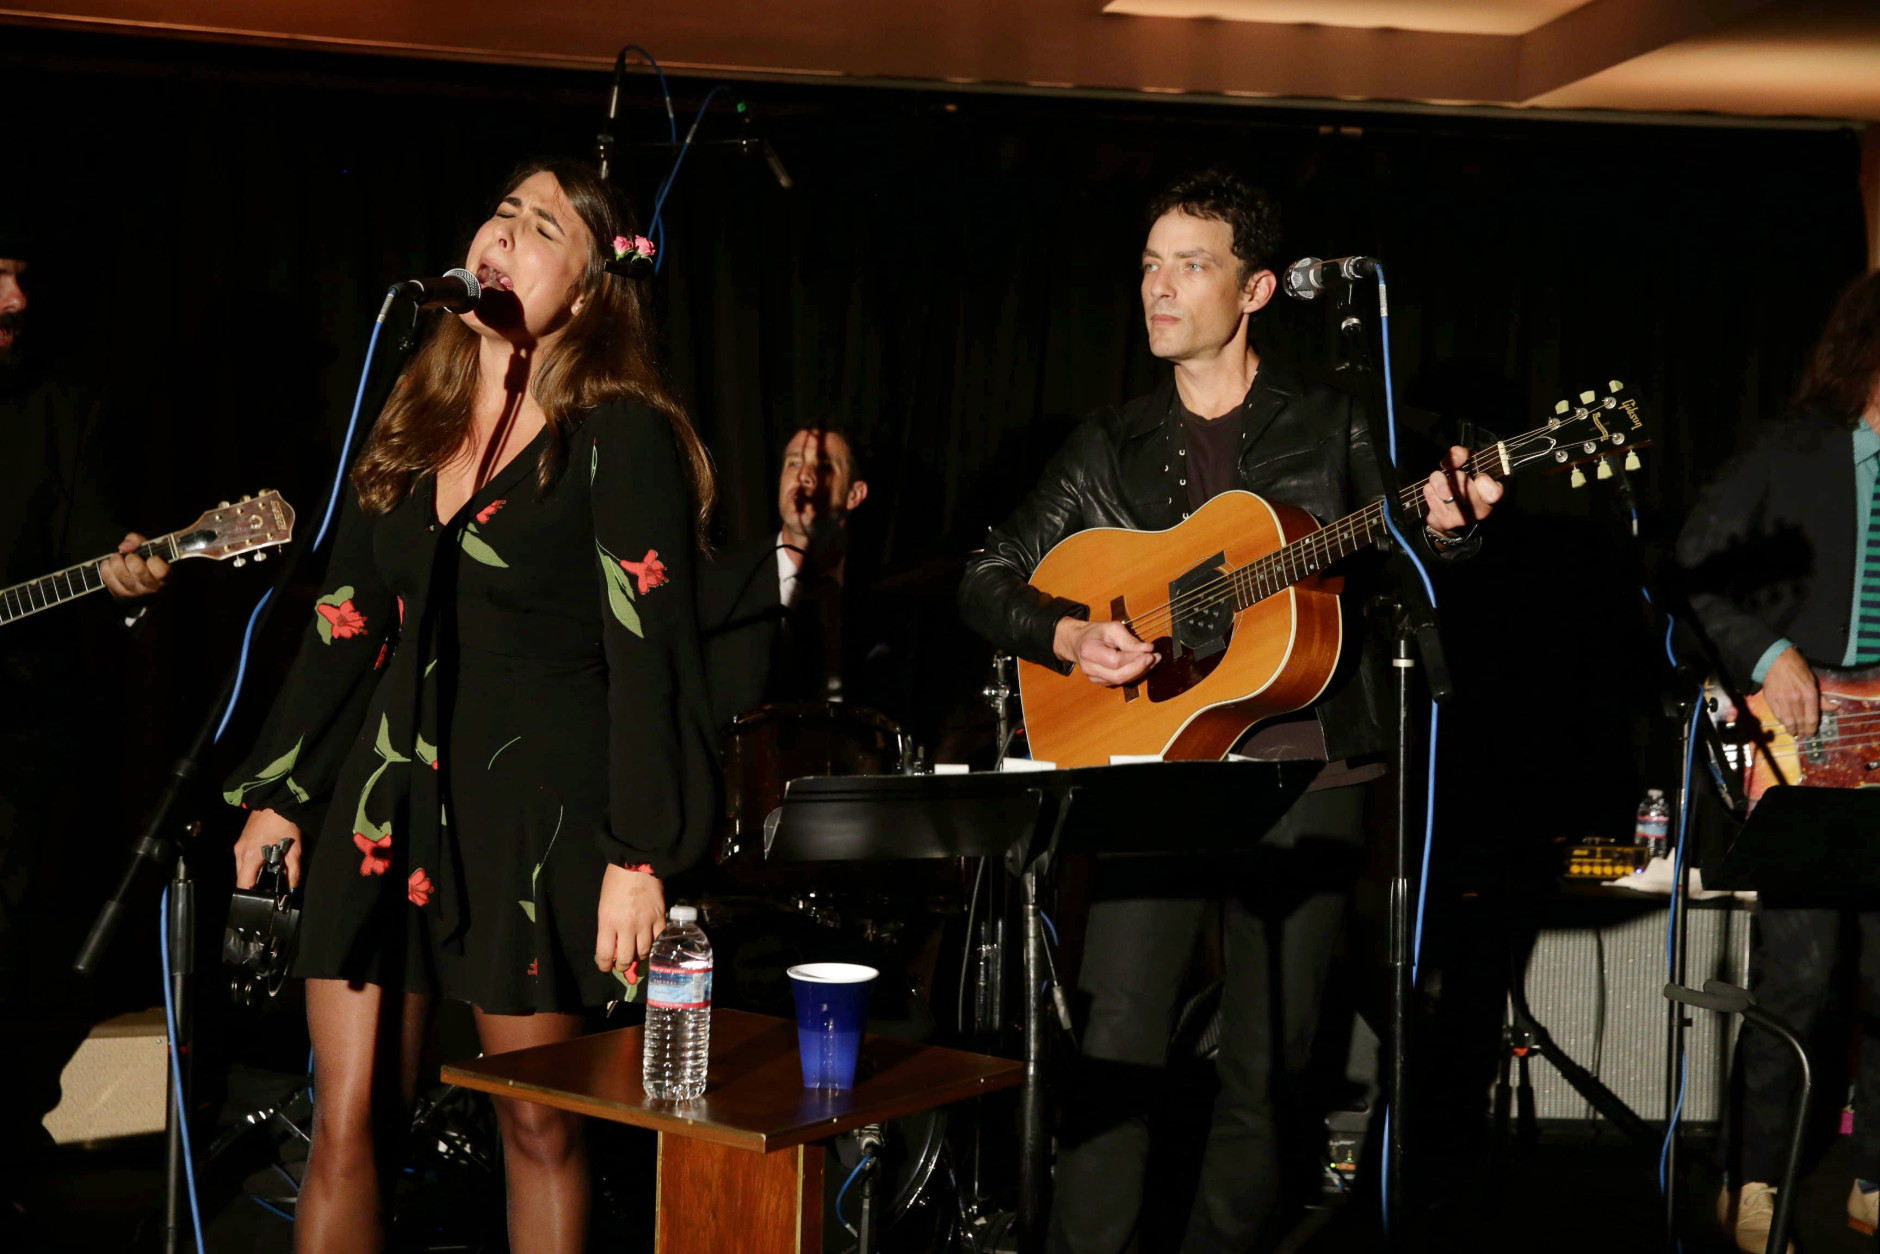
780	620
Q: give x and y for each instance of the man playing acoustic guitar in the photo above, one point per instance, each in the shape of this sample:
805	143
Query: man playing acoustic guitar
1782	555
1225	421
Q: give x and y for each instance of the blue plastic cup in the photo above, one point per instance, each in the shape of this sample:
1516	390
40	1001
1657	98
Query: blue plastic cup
831	1007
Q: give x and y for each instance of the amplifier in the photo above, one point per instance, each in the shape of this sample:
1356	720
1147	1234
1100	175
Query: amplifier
1595	981
114	1084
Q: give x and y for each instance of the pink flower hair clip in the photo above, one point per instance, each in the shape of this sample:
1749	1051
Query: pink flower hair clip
633	257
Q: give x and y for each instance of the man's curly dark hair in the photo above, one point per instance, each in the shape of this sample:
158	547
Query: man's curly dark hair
1844	369
1226	197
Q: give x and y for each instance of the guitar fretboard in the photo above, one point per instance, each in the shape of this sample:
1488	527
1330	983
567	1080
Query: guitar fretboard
75	581
1244	586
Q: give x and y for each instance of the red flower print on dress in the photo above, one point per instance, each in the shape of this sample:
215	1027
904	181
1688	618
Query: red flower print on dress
379	662
649	572
345	621
401	612
533	962
378	853
419	888
489	511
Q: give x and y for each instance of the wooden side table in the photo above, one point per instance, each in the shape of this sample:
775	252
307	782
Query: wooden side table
739	1169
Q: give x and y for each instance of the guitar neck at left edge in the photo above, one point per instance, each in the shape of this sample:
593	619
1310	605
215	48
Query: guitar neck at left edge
251	525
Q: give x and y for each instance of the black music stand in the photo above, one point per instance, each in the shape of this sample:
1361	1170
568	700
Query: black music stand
1795	846
1029	819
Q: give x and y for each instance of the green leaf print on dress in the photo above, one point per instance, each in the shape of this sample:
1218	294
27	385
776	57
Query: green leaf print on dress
620	595
477	548
269	773
528	907
375	839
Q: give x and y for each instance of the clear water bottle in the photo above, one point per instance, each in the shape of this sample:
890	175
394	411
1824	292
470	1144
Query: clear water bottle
678	1009
1654	823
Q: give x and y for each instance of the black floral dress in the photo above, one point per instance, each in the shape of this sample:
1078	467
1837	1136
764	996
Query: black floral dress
489	711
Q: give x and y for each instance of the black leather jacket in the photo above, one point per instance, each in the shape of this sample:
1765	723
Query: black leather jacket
1122	467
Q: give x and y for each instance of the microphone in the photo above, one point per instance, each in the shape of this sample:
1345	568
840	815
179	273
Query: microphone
1309	276
456	290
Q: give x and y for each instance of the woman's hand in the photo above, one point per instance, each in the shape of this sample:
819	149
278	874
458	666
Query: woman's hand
264	828
632	915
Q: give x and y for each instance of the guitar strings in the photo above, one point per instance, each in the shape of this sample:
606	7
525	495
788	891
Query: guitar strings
1301	553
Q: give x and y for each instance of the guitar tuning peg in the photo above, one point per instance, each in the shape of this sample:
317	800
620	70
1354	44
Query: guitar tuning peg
1605	468
1578	478
242	561
1586	398
261	557
247	499
1561	407
221	504
1631	459
1613	385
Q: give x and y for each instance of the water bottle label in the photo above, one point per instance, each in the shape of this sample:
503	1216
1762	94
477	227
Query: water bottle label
679	988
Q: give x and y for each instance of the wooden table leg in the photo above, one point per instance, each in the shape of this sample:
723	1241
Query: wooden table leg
714	1199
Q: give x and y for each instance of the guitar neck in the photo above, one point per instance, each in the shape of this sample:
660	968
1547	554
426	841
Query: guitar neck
23	599
1311	554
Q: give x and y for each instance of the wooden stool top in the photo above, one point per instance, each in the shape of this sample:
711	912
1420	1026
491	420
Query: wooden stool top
754	1097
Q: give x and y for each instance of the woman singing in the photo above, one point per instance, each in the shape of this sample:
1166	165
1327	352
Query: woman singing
498	707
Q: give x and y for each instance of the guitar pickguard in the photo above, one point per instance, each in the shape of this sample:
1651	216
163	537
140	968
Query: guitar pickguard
1201	627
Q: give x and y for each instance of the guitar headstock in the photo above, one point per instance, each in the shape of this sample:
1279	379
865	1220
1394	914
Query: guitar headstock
1595	429
252	524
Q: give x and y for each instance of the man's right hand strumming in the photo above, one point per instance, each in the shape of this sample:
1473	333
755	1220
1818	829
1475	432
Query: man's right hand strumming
1107	653
264	828
1793	693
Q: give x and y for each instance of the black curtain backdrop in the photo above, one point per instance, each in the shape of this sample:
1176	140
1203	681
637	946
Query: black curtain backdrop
953	276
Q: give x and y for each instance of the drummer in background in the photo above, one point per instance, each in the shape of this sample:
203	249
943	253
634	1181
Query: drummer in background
781	618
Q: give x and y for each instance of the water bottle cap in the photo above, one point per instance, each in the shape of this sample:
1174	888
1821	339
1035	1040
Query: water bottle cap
683	914
1654	794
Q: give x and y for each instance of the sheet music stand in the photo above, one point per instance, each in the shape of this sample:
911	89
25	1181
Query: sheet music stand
1029	819
1796	848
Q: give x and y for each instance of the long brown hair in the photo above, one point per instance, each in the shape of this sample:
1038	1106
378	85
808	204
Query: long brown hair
1844	369
604	354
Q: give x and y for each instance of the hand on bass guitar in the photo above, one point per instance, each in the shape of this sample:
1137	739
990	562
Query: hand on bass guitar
1794	694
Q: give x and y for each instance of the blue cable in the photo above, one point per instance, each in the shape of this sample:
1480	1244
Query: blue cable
665	187
176	1066
1429	810
1671	916
1050	927
265	1205
843	1191
241	665
672	123
332	502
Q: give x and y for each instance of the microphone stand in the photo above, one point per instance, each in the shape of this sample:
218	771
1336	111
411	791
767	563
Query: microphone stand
1416	636
162	848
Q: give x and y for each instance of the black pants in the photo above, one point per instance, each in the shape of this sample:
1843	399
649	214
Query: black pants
1791	973
1281	914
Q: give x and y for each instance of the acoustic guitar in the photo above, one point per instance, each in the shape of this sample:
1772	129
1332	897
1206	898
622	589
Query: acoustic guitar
251	525
1238	604
1844	752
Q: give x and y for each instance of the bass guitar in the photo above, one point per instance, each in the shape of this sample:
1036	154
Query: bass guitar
1239	607
1844	752
251	525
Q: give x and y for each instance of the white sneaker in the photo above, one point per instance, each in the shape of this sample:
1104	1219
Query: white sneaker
1746	1215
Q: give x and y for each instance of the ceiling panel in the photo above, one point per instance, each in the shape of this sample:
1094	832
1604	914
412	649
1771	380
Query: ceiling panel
1472	17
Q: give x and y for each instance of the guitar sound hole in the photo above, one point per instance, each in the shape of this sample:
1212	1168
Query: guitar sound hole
1179	670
